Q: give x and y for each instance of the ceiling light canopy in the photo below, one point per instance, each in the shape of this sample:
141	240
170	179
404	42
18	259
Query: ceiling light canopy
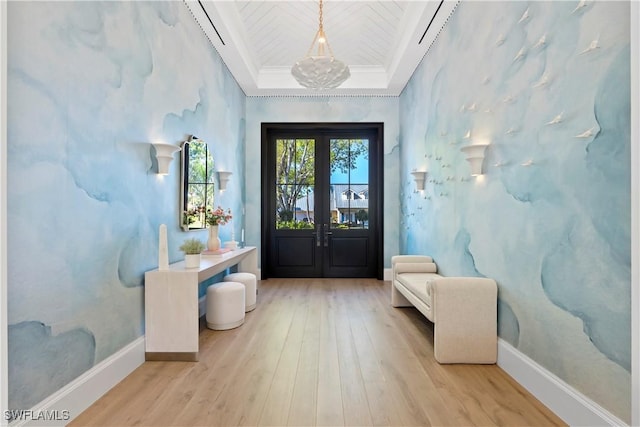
322	70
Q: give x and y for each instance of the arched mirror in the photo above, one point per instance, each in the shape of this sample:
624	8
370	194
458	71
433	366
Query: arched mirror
197	183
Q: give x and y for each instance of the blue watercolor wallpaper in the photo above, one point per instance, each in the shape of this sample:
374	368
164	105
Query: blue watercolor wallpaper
90	86
327	109
547	86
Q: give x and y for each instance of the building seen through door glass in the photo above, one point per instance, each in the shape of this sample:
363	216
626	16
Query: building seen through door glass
349	183
348	186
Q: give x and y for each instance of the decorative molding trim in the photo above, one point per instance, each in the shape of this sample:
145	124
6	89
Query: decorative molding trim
441	25
387	274
322	95
197	13
569	404
81	393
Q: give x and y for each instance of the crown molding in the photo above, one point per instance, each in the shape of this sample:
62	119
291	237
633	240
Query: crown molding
229	38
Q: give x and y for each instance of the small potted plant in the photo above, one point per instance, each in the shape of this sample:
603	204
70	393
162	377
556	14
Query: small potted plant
192	249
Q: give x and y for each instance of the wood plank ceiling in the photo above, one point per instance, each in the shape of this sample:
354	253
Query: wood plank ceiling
381	41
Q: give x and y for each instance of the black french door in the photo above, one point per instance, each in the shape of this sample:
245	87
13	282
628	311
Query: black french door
321	200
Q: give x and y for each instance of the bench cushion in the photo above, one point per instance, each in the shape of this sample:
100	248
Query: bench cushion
416	283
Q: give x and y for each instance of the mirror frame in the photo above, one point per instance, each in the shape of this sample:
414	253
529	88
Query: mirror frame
209	184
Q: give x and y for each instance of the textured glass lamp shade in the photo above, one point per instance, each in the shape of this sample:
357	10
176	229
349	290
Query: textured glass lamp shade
320	72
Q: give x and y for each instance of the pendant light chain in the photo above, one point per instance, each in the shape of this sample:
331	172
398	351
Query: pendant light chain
320	20
322	38
323	35
320	35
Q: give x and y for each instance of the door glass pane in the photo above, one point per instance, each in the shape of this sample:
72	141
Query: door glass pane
349	185
295	179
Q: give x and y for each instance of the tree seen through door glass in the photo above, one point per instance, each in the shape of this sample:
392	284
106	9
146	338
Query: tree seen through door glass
295	183
295	179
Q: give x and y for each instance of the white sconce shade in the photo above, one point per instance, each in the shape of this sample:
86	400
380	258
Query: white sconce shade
475	157
419	177
164	156
223	179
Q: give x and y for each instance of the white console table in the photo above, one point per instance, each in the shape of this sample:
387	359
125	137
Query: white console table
171	303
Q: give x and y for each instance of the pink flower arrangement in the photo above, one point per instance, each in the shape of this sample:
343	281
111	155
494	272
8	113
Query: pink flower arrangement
193	215
218	216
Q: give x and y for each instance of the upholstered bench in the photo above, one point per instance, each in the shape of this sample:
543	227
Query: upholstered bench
462	309
225	305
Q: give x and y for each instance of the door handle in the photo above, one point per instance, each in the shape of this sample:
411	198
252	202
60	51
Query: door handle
327	233
318	233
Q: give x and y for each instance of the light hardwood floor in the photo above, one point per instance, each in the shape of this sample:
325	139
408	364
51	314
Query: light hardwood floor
327	352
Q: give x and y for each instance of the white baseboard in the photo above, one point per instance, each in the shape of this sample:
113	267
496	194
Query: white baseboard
387	275
569	404
75	397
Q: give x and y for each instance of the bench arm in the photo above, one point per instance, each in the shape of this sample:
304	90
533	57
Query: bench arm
465	311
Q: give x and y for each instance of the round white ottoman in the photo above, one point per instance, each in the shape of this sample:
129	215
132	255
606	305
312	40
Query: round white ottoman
225	305
250	287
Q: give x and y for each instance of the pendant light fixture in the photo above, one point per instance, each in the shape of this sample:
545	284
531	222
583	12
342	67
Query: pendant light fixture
322	70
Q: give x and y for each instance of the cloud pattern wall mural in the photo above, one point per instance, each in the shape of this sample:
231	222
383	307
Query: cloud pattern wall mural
90	86
546	84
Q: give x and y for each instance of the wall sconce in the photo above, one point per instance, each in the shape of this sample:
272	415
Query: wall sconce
164	155
419	177
475	157
223	179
